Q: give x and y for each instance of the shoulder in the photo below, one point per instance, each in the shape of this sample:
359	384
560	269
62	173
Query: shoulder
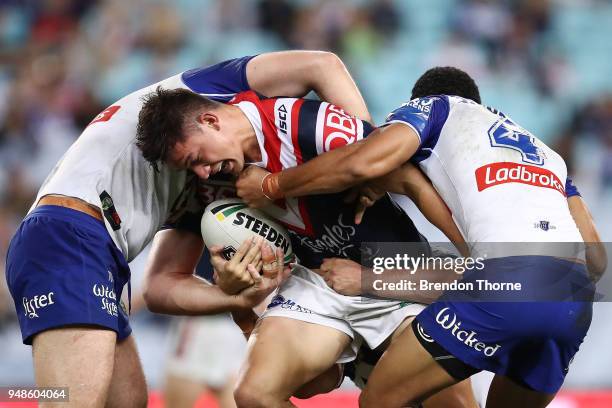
220	81
422	114
419	108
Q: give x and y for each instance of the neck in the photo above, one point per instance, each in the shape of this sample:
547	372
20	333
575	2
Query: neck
245	133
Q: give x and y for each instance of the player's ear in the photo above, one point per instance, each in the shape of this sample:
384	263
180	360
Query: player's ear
209	119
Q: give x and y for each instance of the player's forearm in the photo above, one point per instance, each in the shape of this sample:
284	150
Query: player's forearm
410	181
295	73
383	151
322	175
181	294
596	256
440	216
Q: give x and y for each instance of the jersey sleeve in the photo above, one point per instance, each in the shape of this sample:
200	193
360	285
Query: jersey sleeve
323	127
220	81
425	116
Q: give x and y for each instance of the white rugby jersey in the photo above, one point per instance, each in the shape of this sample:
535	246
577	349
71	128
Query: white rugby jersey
500	182
105	168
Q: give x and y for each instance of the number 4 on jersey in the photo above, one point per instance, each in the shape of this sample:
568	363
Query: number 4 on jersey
506	133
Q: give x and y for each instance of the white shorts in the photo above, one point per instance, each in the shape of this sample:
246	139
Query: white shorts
305	296
206	349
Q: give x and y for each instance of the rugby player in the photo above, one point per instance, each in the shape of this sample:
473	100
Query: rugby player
101	205
307	327
501	184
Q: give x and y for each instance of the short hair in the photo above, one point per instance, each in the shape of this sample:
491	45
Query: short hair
446	81
162	120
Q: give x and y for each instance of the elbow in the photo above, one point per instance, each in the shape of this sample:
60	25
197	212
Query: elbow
151	298
325	65
360	172
356	167
596	270
356	175
597	260
326	61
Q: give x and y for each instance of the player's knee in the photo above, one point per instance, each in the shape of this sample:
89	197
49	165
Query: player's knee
249	395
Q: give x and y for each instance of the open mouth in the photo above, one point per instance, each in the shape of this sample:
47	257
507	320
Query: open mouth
226	167
216	168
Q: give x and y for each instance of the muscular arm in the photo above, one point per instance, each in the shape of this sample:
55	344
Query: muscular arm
295	73
383	151
410	181
171	288
596	257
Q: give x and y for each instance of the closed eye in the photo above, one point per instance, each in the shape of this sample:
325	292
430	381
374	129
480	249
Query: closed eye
199	161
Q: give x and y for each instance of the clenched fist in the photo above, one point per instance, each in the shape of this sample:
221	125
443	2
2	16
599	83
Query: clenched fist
342	275
249	187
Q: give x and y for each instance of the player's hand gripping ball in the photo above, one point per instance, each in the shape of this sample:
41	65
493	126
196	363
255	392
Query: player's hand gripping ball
234	234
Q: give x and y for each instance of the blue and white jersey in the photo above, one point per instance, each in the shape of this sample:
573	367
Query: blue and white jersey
105	168
501	183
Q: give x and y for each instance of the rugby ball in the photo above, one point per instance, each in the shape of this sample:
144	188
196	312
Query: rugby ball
230	221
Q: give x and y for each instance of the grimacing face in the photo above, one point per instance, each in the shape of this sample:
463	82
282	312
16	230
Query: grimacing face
207	149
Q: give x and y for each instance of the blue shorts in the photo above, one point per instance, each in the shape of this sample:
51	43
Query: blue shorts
63	269
530	342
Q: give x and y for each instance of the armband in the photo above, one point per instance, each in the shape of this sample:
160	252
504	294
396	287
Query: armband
270	187
570	188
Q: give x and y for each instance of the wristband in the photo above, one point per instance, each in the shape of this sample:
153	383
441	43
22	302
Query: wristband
270	187
570	188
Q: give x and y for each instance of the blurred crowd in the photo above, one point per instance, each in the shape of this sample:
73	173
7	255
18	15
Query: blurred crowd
63	61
